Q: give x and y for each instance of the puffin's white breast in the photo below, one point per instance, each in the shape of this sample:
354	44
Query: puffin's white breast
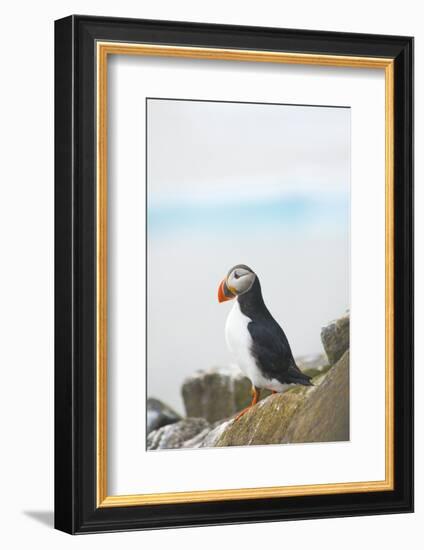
239	341
236	332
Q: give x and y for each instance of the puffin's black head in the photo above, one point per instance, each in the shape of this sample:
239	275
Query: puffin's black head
238	281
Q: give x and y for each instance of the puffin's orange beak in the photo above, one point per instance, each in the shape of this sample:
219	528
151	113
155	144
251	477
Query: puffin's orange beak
224	294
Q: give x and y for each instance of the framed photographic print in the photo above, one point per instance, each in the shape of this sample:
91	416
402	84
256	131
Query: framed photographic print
234	274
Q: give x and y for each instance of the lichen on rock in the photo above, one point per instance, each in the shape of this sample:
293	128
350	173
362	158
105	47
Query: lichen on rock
300	415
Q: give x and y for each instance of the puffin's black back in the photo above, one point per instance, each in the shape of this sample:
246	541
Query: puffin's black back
270	346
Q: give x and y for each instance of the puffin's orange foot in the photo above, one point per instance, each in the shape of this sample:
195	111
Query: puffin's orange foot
241	413
273	392
255	398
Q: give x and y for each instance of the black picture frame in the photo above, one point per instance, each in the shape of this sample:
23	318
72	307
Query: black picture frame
76	510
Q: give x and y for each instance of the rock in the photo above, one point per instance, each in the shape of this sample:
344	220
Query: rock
174	435
302	414
314	364
221	392
325	414
208	437
217	393
335	338
159	414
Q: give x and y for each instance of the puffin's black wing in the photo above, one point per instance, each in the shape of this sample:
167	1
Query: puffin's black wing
273	355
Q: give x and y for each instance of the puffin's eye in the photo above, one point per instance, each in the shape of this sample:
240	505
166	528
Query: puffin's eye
236	275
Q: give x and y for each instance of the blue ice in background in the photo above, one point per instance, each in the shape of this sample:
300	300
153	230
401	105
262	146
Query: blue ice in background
293	213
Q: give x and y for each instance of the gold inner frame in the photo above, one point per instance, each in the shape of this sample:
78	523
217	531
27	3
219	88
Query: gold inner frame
104	49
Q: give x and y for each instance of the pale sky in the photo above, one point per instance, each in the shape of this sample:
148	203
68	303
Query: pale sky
225	150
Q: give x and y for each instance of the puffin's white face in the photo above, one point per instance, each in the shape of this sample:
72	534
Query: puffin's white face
239	280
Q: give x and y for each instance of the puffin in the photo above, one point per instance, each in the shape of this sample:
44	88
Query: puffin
255	339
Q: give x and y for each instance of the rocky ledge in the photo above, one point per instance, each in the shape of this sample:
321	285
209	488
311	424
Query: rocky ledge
300	415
